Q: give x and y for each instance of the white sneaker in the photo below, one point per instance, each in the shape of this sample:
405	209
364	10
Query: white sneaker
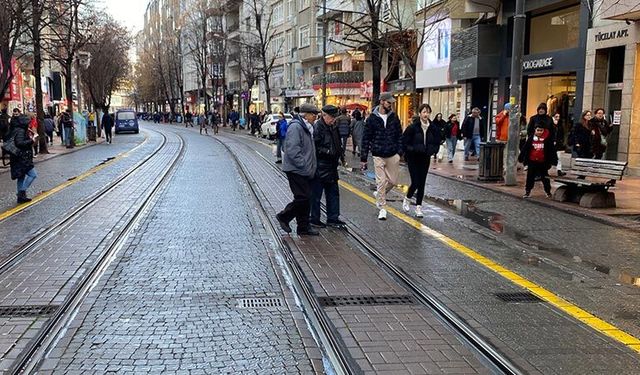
419	211
382	215
406	205
375	194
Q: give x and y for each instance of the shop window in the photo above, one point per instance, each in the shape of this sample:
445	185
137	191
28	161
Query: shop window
357	65
558	92
555	31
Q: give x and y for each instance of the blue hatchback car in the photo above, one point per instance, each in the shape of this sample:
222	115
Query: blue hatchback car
126	121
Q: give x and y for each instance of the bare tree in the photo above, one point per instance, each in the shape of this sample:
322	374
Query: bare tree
109	66
195	39
12	26
263	34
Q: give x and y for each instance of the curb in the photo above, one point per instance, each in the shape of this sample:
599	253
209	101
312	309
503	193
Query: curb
584	213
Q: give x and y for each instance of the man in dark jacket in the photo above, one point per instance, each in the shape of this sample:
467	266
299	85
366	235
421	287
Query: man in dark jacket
383	137
344	128
67	125
107	125
328	154
541	117
299	163
254	123
473	131
4	123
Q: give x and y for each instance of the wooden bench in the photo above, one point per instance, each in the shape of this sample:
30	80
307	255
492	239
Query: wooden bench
592	193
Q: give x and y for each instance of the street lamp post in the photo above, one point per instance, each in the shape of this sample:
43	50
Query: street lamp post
324	52
515	92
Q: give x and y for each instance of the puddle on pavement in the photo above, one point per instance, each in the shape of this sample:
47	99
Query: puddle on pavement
496	223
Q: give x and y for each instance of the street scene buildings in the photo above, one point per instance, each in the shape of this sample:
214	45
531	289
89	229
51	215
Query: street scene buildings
320	187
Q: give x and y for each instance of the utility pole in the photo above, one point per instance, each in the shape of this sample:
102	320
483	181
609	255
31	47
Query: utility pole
324	52
515	92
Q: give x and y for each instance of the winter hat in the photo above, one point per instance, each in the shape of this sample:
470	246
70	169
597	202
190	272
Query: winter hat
542	106
507	106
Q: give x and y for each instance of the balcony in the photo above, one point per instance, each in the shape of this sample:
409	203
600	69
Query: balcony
623	10
340	78
476	52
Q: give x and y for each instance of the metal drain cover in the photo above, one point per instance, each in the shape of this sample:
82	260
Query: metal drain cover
27	310
256	303
366	300
518	297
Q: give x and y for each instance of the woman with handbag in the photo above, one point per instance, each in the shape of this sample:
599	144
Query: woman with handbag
600	129
19	145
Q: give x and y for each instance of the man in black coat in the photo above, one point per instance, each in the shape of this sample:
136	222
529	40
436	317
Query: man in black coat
107	125
383	136
473	131
329	153
22	168
541	117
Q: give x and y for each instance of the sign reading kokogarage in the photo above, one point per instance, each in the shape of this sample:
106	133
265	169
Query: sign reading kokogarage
543	63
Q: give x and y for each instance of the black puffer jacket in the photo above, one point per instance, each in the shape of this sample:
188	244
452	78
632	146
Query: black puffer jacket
545	120
550	155
382	141
467	128
23	162
328	150
413	141
343	123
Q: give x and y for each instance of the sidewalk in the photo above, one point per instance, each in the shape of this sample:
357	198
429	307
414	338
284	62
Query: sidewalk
55	150
626	214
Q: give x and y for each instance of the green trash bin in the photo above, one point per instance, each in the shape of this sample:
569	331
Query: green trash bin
490	166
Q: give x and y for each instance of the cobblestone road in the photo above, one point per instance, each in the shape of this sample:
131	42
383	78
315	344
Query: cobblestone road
171	303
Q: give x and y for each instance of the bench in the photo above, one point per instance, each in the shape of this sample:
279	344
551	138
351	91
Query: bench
592	193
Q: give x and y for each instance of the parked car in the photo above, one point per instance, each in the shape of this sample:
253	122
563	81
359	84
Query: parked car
126	121
268	127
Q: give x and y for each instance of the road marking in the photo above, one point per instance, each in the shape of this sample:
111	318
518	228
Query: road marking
576	312
45	194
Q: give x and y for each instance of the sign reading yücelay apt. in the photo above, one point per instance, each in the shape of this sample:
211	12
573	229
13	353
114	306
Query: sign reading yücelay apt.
543	63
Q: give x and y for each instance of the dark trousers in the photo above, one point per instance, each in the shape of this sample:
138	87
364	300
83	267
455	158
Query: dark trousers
107	133
300	206
343	139
537	170
418	170
331	195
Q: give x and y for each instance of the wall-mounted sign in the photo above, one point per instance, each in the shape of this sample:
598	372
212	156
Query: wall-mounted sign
616	34
617	115
543	63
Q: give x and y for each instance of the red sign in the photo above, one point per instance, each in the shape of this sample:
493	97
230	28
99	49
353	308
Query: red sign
13	93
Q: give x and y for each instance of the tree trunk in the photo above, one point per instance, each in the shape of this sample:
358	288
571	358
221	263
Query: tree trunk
267	90
37	72
376	67
68	86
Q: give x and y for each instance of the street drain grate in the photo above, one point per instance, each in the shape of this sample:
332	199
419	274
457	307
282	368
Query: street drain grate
27	310
333	301
518	297
255	303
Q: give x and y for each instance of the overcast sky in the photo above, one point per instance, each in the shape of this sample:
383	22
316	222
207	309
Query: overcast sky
128	12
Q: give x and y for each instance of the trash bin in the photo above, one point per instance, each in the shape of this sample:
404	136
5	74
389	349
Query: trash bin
91	133
491	161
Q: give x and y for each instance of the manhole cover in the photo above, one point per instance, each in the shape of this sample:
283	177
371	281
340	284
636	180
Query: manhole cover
27	311
366	300
518	297
255	303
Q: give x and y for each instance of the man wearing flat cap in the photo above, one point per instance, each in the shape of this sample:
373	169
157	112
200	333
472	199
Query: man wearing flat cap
299	163
383	136
329	153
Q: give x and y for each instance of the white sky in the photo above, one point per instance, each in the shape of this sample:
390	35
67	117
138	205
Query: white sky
128	12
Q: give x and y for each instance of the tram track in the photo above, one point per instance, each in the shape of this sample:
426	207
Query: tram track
492	357
50	231
46	338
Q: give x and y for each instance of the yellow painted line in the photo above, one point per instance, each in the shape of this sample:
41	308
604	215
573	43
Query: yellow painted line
45	194
576	312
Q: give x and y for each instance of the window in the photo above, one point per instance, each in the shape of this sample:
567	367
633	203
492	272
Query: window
319	36
277	45
444	43
278	13
288	45
291	8
303	37
303	4
555	31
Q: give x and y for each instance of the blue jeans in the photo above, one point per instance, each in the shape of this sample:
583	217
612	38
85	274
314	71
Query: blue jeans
332	196
25	181
67	136
279	148
472	142
451	147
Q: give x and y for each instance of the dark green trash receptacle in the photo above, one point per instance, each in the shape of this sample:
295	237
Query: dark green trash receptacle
491	161
91	133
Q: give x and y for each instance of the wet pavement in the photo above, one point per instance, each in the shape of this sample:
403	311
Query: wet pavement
562	252
199	285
